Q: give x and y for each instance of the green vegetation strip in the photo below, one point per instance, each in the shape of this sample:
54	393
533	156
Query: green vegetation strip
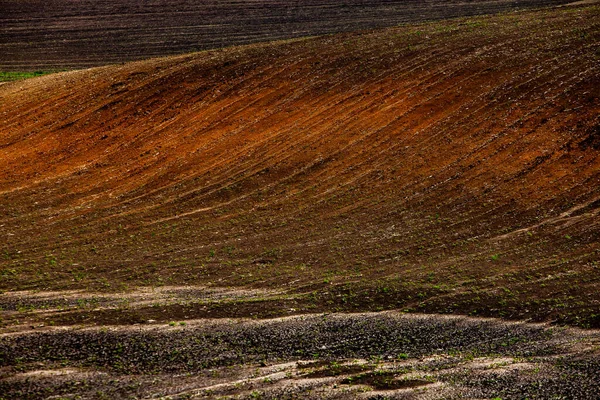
9	76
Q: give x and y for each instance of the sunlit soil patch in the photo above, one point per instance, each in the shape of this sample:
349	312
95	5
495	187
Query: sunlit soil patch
135	297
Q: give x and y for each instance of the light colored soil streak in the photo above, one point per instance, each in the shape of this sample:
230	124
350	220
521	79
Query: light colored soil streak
132	298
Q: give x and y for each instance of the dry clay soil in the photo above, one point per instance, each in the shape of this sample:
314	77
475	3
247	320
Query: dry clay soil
178	226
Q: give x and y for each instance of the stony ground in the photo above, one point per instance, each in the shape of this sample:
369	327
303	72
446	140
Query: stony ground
372	355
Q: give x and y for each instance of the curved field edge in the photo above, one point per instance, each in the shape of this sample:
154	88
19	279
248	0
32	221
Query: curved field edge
447	167
54	34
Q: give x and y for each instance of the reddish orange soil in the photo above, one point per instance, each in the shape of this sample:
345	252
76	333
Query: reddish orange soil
442	167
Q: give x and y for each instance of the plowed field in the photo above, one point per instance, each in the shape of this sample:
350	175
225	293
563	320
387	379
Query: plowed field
63	34
168	224
449	167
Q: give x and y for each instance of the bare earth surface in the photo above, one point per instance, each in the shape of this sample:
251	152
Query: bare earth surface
291	219
333	356
63	34
442	167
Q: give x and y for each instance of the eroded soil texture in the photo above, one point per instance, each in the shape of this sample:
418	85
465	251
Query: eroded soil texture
59	34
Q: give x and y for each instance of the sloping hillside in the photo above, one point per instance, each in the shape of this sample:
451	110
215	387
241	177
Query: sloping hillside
220	224
443	167
61	34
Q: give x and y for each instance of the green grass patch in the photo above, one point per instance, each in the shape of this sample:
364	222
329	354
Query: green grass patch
9	76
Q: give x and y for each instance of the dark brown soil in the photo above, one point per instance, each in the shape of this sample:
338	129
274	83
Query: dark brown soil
384	380
335	369
58	34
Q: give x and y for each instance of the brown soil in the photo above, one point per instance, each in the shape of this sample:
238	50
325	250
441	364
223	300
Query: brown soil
169	225
441	167
59	34
384	380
